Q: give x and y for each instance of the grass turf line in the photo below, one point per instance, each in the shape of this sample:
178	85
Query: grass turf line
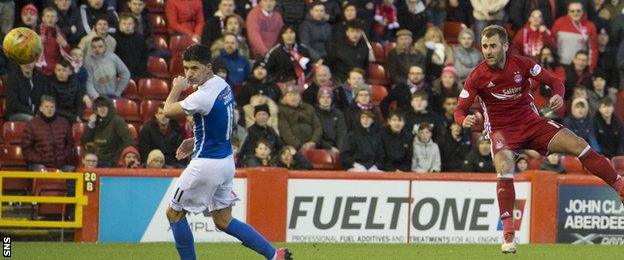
152	251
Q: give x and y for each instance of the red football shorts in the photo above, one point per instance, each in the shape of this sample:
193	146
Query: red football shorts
535	134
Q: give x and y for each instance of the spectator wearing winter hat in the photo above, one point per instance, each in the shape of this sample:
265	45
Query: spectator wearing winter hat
445	86
298	124
362	150
402	91
403	57
155	160
260	130
322	78
332	121
465	55
129	158
362	102
259	98
259	82
581	123
29	17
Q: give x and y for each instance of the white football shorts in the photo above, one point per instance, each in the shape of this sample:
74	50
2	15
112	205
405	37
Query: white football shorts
205	184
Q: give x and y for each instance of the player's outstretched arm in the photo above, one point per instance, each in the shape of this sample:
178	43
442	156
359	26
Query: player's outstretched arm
173	109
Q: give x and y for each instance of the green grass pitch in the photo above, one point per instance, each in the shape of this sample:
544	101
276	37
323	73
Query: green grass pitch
153	251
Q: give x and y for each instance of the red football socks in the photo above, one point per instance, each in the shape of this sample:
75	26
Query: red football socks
599	165
506	195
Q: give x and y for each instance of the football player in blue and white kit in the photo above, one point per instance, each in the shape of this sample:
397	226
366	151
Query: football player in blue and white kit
206	183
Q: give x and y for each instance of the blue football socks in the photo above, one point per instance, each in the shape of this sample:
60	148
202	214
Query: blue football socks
183	239
250	238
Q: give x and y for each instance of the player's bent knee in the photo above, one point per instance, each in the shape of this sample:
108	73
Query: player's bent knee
174	216
221	222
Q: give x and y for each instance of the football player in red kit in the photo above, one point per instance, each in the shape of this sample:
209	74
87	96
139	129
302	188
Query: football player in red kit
512	122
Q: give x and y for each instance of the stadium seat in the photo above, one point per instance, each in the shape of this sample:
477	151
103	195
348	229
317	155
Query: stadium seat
79	153
155	6
13	132
86	113
160	43
152	88
16	186
377	74
157	67
131	91
320	159
451	30
148	109
619	105
127	109
11	156
175	66
380	56
389	46
179	43
2	106
534	163
618	164
52	210
2	89
77	131
159	24
133	132
379	93
572	165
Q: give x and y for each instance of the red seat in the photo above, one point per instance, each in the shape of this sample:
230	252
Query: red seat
127	109
619	105
159	24
389	46
179	43
13	132
151	88
148	109
133	131
2	89
16	186
77	131
11	156
2	106
79	153
379	93
618	164
131	91
320	159
175	66
535	163
157	67
50	187
160	43
572	165
378	50
155	6
451	30
377	74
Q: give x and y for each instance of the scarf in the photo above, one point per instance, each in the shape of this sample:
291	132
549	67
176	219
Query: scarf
299	64
48	34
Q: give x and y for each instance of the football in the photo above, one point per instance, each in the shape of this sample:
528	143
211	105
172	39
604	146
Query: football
22	45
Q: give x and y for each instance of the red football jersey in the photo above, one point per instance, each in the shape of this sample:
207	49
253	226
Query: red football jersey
505	95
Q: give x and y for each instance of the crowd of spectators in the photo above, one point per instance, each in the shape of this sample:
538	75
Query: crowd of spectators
301	73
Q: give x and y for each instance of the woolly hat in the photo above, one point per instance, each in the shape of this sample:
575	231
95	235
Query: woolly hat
30	8
404	32
155	154
362	87
325	90
260	108
451	70
258	63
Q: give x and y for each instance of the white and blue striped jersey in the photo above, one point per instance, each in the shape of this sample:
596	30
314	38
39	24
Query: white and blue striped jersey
212	107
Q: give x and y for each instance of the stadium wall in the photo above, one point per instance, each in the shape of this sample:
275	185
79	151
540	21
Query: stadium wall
319	206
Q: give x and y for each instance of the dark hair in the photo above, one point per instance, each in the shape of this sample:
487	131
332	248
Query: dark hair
280	40
425	125
101	17
584	52
198	52
64	63
263	141
607	102
98	38
396	113
47	98
421	94
355	24
315	3
90	148
492	30
356	70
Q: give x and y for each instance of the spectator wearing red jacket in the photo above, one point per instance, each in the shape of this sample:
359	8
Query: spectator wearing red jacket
47	139
533	36
185	17
263	26
575	32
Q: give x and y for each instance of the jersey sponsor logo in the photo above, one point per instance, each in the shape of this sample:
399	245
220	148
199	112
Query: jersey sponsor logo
535	70
464	94
510	93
